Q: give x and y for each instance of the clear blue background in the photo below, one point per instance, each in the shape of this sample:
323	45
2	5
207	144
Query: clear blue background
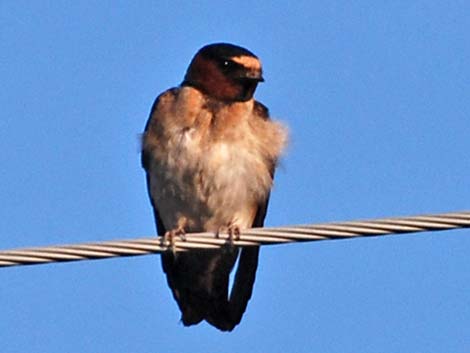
377	97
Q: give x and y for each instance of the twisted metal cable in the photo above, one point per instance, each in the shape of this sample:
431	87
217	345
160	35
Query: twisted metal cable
249	237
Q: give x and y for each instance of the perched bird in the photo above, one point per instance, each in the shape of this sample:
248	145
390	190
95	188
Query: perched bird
209	151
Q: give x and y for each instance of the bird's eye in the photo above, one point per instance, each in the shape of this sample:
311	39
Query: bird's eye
228	65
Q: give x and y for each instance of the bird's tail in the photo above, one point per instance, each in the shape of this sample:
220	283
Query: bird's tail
199	282
227	315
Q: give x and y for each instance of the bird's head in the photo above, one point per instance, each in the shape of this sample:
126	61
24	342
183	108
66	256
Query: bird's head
225	71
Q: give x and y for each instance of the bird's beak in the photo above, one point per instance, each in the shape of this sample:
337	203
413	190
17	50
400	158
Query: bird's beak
256	76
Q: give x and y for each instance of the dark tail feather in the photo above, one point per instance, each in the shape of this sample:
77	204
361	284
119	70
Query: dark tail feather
244	283
199	281
226	317
192	308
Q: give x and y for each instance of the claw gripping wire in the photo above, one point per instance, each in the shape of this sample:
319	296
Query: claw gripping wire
248	237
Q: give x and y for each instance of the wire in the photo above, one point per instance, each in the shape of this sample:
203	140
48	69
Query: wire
249	237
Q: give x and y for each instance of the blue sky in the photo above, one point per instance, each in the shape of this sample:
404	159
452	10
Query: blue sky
376	95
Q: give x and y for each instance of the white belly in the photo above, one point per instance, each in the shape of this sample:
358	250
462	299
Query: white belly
207	186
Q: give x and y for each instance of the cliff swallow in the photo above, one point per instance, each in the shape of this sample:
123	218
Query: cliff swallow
209	151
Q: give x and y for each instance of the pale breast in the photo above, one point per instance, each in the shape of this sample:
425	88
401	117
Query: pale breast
213	169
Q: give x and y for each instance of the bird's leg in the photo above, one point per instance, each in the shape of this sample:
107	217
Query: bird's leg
168	238
233	232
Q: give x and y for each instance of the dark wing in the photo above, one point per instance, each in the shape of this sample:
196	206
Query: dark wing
146	162
198	279
168	259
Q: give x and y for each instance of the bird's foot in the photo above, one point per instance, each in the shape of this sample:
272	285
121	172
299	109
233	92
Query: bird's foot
233	232
168	239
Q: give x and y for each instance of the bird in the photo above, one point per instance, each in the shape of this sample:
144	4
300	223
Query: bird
209	151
